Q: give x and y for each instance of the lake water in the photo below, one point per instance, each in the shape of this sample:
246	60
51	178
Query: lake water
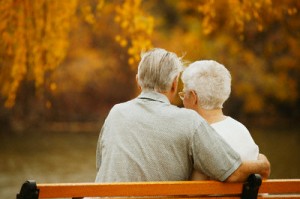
70	157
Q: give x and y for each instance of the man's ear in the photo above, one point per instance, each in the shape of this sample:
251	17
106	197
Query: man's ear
137	81
174	85
194	97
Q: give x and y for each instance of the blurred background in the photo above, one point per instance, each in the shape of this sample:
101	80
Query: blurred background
64	64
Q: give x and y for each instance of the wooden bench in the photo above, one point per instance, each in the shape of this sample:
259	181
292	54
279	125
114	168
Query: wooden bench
253	188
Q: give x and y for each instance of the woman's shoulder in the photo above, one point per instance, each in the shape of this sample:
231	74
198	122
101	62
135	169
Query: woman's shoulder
236	122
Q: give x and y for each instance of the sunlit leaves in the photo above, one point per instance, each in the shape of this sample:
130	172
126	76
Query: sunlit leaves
262	50
236	14
34	38
136	29
258	41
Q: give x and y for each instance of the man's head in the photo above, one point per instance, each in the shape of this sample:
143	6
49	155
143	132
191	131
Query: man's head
158	69
209	82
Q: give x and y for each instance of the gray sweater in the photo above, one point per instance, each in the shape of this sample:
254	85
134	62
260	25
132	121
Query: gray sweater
148	139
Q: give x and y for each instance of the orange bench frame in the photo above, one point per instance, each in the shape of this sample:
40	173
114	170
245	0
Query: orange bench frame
253	188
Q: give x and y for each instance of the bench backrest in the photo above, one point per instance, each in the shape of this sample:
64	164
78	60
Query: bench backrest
184	189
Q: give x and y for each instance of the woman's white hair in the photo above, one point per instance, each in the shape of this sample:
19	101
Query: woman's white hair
157	70
210	80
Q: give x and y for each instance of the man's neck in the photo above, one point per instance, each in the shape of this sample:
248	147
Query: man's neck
212	116
168	95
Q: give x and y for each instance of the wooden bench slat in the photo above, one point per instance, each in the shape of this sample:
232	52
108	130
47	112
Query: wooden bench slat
162	188
280	186
269	189
278	196
138	189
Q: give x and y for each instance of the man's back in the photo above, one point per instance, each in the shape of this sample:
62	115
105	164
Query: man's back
147	141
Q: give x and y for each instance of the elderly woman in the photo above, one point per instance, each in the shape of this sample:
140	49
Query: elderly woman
207	85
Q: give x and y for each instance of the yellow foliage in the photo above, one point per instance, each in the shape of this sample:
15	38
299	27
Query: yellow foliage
48	104
53	86
88	15
207	9
136	29
237	13
253	103
33	39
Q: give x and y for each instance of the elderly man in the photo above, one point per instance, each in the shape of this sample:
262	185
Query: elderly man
207	85
148	139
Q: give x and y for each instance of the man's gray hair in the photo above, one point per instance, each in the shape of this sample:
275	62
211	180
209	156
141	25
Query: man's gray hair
157	70
210	80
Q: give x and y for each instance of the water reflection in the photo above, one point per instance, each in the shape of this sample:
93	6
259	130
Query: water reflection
47	157
70	157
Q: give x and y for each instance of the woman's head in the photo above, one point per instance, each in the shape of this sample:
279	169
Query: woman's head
210	80
157	70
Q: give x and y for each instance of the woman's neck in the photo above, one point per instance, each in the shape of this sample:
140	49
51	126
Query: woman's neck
212	116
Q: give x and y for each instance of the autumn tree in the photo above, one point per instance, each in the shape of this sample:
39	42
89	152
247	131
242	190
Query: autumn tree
136	29
267	47
89	42
257	40
34	38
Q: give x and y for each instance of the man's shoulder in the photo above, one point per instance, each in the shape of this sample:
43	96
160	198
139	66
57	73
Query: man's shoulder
122	105
187	112
181	113
187	115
